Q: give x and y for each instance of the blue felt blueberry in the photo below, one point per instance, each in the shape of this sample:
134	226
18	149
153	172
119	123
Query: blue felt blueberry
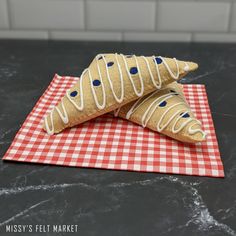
110	63
186	115
73	94
133	70
158	60
163	104
96	82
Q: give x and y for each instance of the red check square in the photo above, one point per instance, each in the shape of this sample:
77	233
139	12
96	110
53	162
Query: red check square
113	143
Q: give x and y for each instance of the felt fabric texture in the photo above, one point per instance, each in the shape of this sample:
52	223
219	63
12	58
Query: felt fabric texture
166	107
96	88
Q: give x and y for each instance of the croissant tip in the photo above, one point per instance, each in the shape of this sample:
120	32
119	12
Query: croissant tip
200	137
190	66
44	127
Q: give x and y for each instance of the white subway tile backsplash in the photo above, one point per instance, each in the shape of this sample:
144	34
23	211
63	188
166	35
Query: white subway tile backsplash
157	37
120	20
4	24
121	15
233	18
47	14
23	34
214	37
90	36
193	16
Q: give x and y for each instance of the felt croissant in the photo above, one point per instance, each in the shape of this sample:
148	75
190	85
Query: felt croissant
111	81
167	112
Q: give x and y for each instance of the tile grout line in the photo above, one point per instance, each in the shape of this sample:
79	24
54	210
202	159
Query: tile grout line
155	17
85	15
191	37
49	32
9	14
122	36
229	26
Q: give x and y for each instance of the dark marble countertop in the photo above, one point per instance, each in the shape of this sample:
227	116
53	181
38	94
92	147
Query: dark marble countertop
104	202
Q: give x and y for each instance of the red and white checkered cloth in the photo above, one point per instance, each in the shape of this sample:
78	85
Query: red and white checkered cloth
113	143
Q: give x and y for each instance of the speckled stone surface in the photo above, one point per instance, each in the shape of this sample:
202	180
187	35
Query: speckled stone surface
103	202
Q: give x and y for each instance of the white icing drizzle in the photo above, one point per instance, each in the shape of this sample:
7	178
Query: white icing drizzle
157	85
49	131
64	116
186	68
139	94
155	105
116	112
119	100
94	93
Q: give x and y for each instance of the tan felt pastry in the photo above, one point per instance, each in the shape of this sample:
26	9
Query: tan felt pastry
167	112
111	81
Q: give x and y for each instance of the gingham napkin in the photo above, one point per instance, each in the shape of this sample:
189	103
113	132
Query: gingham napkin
112	143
